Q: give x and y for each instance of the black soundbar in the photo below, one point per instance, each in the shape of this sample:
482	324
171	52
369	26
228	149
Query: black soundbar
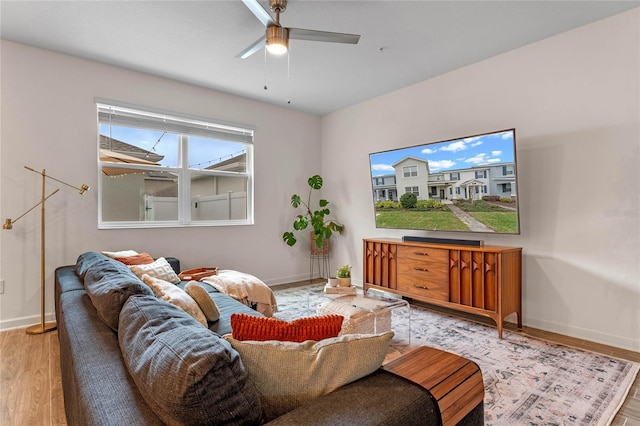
452	241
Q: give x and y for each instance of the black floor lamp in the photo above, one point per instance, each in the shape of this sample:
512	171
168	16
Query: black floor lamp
43	327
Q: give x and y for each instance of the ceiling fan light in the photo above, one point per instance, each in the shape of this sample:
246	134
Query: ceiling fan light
277	48
277	40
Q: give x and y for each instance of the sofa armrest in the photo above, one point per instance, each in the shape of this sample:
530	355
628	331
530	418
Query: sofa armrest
175	264
381	398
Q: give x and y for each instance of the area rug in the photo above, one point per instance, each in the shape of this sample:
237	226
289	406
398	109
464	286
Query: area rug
527	381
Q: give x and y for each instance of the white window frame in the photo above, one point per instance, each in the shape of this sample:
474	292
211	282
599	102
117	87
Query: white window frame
202	127
410	171
412	190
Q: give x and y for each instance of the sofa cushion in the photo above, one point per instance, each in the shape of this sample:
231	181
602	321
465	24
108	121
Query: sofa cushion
176	296
204	301
289	374
109	284
160	268
248	327
98	389
186	373
380	398
227	305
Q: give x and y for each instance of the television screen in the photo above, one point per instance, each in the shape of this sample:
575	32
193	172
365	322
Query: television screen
467	184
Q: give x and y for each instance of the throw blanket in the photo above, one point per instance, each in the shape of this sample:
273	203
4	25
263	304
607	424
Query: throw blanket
245	288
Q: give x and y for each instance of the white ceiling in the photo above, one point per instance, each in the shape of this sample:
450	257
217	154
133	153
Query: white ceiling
402	42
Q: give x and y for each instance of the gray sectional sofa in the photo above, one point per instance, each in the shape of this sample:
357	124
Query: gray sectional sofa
171	370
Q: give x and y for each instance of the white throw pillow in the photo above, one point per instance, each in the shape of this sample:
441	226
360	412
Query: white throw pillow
176	296
123	253
158	269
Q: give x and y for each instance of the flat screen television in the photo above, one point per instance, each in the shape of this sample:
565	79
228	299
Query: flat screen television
467	184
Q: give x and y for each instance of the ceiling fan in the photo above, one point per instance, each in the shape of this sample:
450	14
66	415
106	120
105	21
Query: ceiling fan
277	37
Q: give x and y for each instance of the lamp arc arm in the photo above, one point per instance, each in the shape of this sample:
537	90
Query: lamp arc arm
82	189
10	222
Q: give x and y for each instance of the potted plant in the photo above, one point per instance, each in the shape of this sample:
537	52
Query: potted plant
344	276
322	226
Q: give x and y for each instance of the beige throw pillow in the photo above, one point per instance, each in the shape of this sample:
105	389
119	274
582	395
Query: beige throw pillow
122	253
204	300
288	374
159	269
176	296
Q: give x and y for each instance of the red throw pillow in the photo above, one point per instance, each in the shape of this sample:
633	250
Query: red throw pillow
138	259
250	327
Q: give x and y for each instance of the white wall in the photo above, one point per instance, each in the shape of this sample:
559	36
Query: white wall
574	101
49	122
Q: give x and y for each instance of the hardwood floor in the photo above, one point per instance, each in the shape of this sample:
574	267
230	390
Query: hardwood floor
31	385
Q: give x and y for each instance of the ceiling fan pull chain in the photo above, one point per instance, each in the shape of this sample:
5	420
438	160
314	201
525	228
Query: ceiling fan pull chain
265	68
288	77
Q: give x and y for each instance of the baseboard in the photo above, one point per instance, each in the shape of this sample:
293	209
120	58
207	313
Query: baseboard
23	322
583	333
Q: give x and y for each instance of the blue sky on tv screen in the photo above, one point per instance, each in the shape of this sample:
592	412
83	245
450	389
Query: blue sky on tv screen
486	149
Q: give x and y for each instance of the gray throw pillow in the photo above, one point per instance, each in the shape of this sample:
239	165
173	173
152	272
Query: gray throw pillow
186	373
87	260
109	284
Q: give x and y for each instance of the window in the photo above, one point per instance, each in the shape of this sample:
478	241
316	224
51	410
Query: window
412	189
455	176
458	190
505	187
481	174
410	171
507	170
159	169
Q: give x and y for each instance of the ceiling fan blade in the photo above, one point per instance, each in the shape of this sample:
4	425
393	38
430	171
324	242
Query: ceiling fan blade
313	35
259	12
253	48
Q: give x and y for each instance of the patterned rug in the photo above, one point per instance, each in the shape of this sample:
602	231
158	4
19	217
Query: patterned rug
527	381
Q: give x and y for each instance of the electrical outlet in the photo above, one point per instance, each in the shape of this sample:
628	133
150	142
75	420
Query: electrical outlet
1	286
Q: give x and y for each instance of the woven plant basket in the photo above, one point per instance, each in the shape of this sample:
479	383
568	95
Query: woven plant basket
319	251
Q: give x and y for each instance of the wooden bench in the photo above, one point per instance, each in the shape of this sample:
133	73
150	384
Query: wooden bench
454	381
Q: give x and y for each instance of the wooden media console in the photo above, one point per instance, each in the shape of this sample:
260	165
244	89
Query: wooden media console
485	280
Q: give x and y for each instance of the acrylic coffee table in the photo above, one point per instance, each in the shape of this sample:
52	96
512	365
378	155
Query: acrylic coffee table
375	302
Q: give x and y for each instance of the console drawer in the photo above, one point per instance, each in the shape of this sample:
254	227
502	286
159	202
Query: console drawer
424	279
422	254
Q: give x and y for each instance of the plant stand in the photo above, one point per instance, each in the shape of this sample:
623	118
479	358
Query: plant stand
319	256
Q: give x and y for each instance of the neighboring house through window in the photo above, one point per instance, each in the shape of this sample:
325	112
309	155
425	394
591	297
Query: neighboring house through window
162	169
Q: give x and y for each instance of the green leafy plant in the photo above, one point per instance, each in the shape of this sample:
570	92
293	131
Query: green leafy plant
323	227
344	271
409	200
